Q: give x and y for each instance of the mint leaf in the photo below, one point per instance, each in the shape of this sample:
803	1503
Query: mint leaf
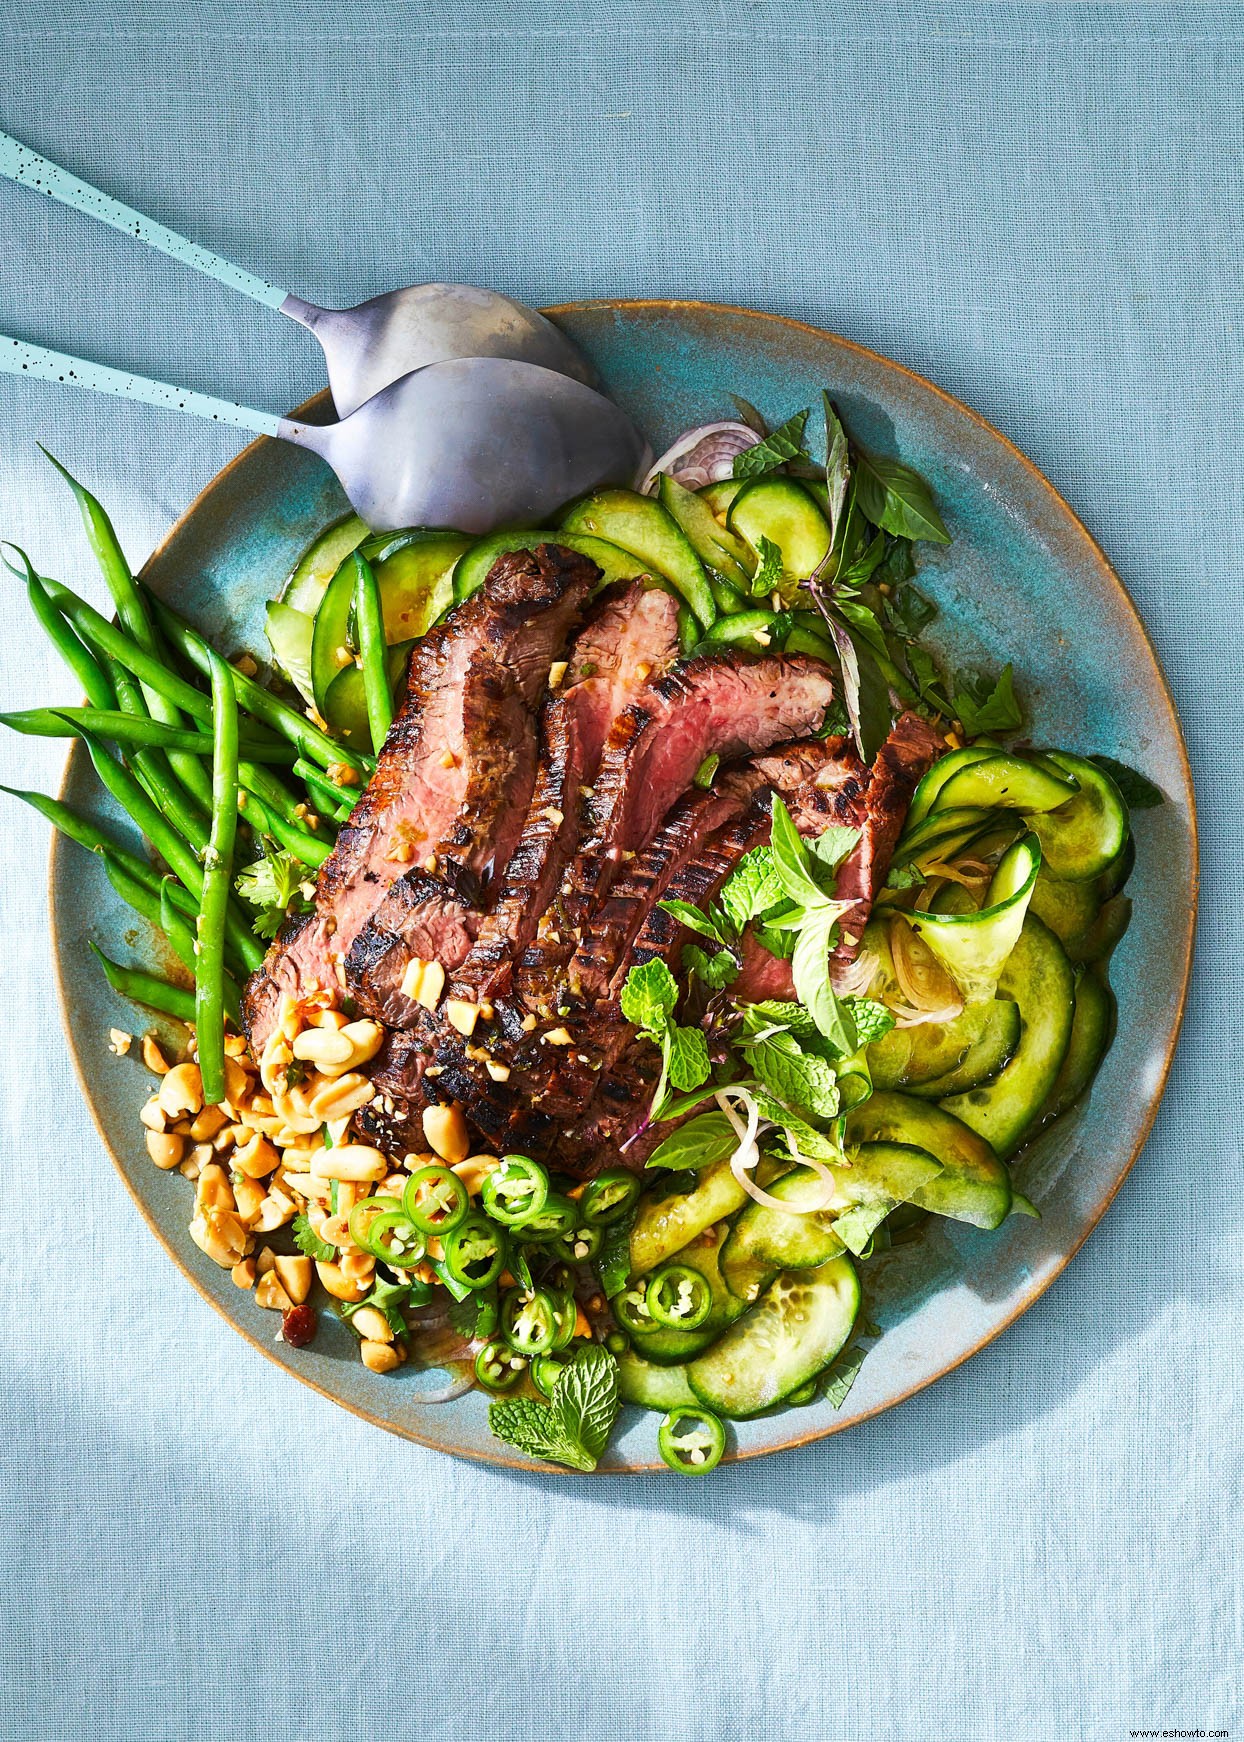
1137	793
751	888
687	1062
309	1242
715	971
785	443
983	708
800	1080
833	845
535	1429
905	877
701	1141
781	1013
649	994
897	499
812	1144
769	571
586	1400
872	1020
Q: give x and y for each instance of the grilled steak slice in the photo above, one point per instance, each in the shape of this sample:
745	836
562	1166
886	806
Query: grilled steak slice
720	703
499	644
631	637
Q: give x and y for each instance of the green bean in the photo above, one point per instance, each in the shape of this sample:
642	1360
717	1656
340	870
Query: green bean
255	700
209	1000
168	843
373	650
327	796
307	848
185	807
105	637
123	728
78	657
158	909
147	989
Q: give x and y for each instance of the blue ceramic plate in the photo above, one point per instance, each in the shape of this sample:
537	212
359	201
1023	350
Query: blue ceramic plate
1022	581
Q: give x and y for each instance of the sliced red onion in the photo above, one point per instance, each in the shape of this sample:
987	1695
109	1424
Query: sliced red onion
700	456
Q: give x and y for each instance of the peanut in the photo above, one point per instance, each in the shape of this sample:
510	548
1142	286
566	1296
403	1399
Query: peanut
446	1132
380	1357
166	1148
181	1091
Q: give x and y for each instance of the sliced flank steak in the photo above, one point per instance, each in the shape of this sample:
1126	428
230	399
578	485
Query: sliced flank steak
445	783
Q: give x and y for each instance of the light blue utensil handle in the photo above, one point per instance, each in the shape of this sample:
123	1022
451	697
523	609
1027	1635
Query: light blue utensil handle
18	358
22	165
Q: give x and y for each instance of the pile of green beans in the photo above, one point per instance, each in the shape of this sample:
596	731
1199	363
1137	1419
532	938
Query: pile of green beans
201	749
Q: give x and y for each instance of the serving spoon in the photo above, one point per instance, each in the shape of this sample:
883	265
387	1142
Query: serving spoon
472	443
366	347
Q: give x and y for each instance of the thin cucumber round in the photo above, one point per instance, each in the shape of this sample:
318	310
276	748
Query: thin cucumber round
942	770
795	1239
1069	910
650	1387
1039	978
719	496
791	1334
1004	782
882	1176
1084	836
973	947
777	508
756	629
665	1345
664	1226
640	525
415	576
319	563
289	633
973	1185
907	1058
943	833
716	546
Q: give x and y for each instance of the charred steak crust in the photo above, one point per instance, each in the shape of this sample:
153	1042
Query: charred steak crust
630	638
507	633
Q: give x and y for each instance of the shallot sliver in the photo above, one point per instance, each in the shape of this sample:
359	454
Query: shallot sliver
707	452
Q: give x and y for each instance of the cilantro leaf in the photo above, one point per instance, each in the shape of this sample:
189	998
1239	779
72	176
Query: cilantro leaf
272	885
983	708
309	1242
1137	793
897	499
785	443
649	995
905	877
470	1316
686	1061
871	1019
708	1138
751	888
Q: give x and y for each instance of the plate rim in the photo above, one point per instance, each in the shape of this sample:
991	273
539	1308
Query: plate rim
1037	1288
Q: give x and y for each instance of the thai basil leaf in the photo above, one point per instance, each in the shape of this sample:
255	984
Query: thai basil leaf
897	499
702	1141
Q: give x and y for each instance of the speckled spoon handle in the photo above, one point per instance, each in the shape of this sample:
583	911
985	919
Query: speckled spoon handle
22	165
19	358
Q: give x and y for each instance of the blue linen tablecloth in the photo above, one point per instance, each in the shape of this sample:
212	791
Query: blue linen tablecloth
1038	206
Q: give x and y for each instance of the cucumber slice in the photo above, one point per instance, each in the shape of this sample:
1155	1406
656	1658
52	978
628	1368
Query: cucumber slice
1091	1027
988	1054
289	633
1004	782
345	706
797	1239
757	630
414	572
944	832
883	1175
974	946
642	526
651	1387
664	1226
666	1344
1084	836
777	509
720	495
715	545
1039	978
973	1185
801	640
330	636
472	567
1069	910
942	770
1107	928
791	1334
319	563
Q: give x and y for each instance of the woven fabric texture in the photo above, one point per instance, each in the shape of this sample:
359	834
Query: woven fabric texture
1038	206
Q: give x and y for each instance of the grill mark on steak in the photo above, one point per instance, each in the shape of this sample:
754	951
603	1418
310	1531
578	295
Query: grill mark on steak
630	640
498	644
